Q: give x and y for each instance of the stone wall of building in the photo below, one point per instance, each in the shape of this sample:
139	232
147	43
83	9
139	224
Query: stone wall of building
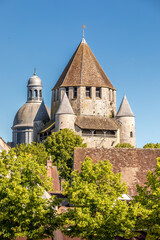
64	121
127	130
82	105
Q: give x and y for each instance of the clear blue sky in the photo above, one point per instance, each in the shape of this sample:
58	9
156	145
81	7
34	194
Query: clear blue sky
124	35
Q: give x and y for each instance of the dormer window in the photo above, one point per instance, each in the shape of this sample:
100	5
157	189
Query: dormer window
98	92
88	92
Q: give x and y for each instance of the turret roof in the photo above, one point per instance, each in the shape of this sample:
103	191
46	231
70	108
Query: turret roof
65	106
43	113
125	109
83	69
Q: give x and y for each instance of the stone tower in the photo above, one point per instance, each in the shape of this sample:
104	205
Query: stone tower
65	117
126	119
23	121
89	90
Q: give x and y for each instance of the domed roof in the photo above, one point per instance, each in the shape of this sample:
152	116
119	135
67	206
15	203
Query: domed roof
26	115
34	81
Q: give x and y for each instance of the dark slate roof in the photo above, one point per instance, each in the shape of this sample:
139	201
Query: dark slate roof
26	115
83	69
125	109
43	113
134	164
96	122
65	106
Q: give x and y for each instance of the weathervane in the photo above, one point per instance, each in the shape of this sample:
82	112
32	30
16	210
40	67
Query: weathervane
83	26
35	71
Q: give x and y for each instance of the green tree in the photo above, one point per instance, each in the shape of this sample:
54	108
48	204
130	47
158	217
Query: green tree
97	211
60	145
24	211
124	145
149	198
38	150
152	145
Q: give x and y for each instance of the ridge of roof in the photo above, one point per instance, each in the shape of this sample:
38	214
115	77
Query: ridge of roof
65	106
125	109
83	69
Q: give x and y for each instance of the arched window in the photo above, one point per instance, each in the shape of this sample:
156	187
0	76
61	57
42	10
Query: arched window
35	93
40	93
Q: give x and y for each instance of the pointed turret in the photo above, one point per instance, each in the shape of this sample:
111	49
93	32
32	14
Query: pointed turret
65	106
65	116
42	116
126	118
125	109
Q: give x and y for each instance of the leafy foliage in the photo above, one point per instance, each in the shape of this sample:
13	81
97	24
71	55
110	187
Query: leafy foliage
23	209
124	145
60	146
38	150
152	145
149	198
98	213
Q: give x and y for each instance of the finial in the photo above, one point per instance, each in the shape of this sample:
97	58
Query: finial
35	71
83	26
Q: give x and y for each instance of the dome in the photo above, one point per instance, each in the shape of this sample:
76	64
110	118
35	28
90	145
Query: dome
34	81
26	115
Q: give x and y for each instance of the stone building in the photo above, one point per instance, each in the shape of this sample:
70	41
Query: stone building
83	99
33	109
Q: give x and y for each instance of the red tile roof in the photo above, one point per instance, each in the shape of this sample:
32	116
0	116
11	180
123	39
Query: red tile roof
134	164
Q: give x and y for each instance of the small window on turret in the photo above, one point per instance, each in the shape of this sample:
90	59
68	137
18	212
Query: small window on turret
131	134
98	92
88	92
40	93
75	92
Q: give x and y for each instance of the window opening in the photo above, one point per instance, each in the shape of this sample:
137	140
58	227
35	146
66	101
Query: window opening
88	92
35	93
131	134
75	92
98	92
67	91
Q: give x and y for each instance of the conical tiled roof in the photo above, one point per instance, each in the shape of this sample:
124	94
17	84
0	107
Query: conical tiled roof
83	70
125	109
65	106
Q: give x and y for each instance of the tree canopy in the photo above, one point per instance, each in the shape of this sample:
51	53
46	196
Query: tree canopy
149	198
152	145
60	145
124	145
24	210
97	211
38	150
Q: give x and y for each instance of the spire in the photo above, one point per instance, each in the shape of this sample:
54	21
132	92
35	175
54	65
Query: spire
125	109
34	71
65	106
83	69
83	39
